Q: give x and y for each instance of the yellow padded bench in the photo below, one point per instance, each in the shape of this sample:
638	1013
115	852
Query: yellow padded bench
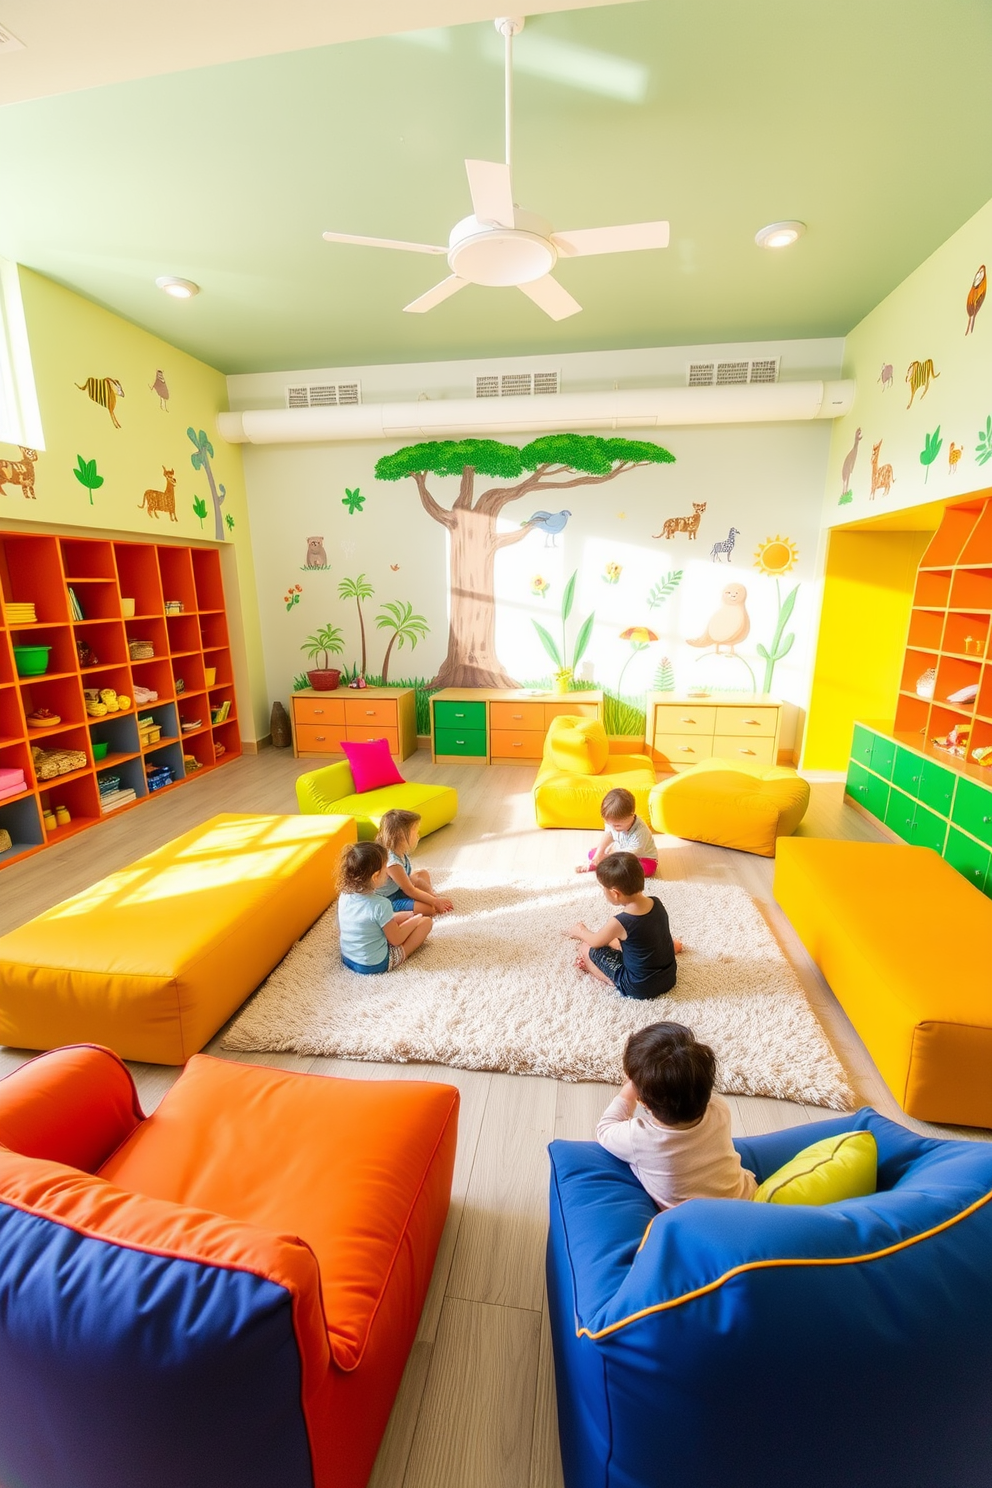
731	803
906	945
152	960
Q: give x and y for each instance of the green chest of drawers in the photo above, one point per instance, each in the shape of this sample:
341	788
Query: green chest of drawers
925	800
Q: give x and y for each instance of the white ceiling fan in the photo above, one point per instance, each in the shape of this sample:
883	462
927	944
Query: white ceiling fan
502	245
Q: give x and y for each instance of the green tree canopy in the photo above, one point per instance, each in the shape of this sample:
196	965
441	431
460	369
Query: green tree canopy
580	452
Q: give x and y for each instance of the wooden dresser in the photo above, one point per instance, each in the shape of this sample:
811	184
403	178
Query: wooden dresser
482	726
323	720
681	731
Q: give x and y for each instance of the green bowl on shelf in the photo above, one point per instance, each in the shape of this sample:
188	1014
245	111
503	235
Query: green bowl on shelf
100	749
31	661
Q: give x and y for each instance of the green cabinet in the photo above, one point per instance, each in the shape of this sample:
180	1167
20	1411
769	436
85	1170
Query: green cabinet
861	746
973	810
883	756
448	715
898	815
929	829
970	858
907	772
937	787
470	742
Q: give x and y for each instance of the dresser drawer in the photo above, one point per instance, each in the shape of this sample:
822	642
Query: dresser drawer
517	716
755	751
747	721
682	749
318	710
470	742
683	718
459	715
356	733
371	711
319	738
569	708
516	744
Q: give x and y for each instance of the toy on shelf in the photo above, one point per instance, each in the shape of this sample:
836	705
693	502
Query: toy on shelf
44	718
87	656
926	682
955	741
972	646
983	756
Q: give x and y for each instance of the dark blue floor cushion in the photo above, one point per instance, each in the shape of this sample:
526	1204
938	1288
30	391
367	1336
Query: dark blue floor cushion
728	1344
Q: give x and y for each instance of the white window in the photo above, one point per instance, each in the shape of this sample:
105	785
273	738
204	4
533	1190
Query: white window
20	419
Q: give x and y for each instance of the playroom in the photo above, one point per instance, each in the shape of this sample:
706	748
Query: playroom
495	755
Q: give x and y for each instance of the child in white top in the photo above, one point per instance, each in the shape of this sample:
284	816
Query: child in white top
669	1125
625	832
374	937
407	887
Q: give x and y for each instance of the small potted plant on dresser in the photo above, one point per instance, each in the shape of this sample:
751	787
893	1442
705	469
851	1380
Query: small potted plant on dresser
324	643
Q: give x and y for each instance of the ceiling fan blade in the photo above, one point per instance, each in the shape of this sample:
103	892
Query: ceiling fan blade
335	237
552	298
585	241
492	193
434	296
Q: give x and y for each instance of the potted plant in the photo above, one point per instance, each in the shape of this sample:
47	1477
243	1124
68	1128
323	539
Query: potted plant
327	642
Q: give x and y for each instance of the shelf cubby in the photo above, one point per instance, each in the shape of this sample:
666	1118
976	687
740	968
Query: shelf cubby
932	589
176	570
22	819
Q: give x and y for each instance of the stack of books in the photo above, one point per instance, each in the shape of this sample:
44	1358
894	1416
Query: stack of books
20	614
75	608
112	800
219	715
11	782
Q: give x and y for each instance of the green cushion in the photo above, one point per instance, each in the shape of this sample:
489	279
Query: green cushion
331	792
841	1167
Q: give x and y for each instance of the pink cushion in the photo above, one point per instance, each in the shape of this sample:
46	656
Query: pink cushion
10	777
372	765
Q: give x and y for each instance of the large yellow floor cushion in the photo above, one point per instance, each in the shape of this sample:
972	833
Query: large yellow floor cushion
731	804
577	771
906	945
332	790
152	960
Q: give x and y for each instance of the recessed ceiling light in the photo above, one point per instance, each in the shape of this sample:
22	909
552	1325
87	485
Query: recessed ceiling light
779	234
179	289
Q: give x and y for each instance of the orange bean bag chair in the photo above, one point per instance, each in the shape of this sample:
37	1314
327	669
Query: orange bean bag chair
224	1292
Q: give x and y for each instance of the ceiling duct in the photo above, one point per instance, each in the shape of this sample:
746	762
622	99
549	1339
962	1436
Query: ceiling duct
631	408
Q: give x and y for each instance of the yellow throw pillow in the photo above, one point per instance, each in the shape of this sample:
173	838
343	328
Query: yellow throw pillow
842	1167
579	745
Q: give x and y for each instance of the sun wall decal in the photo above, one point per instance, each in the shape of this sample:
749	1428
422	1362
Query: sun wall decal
776	556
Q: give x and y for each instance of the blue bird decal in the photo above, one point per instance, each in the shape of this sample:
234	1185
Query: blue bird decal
550	523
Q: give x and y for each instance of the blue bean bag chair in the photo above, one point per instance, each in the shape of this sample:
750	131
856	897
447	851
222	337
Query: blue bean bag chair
730	1344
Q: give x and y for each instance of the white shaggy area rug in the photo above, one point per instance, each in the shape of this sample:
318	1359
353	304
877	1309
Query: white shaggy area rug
495	988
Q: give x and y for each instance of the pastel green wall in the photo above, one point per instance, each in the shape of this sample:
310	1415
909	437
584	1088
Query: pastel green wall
925	317
72	340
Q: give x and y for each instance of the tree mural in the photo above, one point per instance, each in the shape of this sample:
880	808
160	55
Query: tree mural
200	460
406	627
471	522
358	589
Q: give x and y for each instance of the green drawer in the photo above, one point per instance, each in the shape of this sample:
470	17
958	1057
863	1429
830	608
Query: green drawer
970	858
899	813
908	772
460	716
973	810
861	746
883	755
460	741
867	790
937	786
929	829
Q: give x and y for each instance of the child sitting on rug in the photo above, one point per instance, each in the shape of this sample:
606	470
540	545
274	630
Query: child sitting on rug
374	937
399	833
669	1125
625	832
634	951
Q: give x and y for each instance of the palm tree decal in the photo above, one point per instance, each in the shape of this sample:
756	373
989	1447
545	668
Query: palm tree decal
357	589
200	460
406	627
326	642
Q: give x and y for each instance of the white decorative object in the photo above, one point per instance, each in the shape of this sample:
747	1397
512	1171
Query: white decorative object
926	682
964	694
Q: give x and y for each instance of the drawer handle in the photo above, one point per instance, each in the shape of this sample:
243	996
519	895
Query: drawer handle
745	751
517	744
316	711
987	819
517	715
321	738
687	720
369	712
686	749
459	741
753	721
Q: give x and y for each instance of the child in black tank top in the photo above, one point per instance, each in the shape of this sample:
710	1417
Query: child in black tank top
634	951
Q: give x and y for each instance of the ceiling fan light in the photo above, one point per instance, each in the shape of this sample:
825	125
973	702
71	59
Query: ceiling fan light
779	234
178	289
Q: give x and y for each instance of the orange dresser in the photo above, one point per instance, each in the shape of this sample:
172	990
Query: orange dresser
322	721
478	725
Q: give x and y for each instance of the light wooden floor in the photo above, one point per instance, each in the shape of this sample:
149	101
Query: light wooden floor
476	1407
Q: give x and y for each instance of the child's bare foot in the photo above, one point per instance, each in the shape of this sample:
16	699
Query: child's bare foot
580	964
679	947
582	867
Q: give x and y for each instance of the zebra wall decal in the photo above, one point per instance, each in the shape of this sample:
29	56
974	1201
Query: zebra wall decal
105	391
727	546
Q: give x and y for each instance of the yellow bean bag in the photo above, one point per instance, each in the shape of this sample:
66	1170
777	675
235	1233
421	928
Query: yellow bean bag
331	792
731	805
569	787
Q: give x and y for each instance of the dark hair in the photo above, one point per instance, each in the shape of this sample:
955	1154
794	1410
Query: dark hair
621	870
672	1073
395	827
617	805
359	865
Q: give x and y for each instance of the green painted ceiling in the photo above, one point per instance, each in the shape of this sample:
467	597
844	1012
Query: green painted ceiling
867	119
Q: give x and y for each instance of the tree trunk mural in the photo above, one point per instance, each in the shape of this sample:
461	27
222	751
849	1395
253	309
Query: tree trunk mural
471	523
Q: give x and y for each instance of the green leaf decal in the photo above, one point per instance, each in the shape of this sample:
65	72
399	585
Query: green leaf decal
931	449
547	641
569	596
582	639
668	585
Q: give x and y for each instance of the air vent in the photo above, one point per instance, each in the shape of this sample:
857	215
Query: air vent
9	42
324	395
516	384
732	374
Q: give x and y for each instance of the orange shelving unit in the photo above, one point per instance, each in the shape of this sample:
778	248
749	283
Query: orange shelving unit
98	605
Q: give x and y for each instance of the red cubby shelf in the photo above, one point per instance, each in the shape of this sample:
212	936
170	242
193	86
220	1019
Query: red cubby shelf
121	588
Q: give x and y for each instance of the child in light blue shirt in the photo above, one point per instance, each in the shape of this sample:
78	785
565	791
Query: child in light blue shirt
375	937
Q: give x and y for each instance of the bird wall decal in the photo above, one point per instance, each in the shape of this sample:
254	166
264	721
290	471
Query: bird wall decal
550	523
729	624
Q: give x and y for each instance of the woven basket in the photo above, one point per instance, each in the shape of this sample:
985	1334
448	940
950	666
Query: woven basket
140	650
